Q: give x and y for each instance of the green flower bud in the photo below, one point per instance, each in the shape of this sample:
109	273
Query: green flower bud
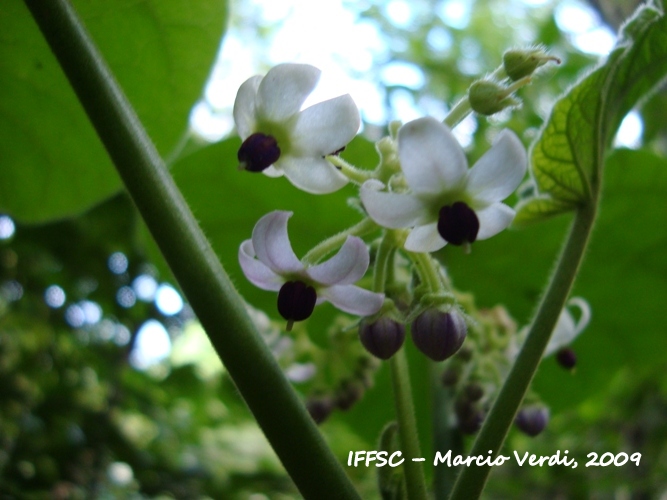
487	97
521	63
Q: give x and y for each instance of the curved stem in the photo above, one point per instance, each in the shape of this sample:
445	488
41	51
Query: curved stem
497	423
362	228
356	175
275	405
407	426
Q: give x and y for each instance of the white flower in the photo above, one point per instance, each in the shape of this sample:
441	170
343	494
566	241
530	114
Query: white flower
566	329
448	202
564	333
280	139
269	262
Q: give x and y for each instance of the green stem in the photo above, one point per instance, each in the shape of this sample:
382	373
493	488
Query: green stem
382	261
275	405
407	426
445	437
356	175
427	270
362	228
470	483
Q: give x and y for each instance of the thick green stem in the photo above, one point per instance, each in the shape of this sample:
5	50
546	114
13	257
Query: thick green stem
470	483
407	427
362	228
277	408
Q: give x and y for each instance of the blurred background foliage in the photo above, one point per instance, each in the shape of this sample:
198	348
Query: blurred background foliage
108	387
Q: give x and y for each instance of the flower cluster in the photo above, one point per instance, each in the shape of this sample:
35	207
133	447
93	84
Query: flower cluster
428	190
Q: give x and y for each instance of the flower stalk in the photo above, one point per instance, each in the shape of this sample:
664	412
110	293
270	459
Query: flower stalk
472	480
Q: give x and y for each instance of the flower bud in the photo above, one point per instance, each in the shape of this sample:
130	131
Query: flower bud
319	408
450	377
439	334
487	97
468	415
521	63
383	337
532	420
474	391
566	358
348	394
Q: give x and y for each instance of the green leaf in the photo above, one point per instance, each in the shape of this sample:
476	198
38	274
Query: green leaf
53	164
566	160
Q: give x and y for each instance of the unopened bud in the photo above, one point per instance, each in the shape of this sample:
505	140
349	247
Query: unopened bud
474	391
468	415
319	408
566	358
383	337
532	420
521	63
488	98
439	334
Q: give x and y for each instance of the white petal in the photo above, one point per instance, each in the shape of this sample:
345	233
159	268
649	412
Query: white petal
425	239
326	127
256	271
352	299
431	158
271	243
284	89
346	267
499	171
312	175
566	330
245	110
494	219
272	171
392	210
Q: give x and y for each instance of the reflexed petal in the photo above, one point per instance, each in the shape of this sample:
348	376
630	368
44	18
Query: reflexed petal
245	107
392	210
352	299
257	272
566	330
346	267
326	127
563	334
312	175
424	239
284	89
499	171
494	219
271	243
431	158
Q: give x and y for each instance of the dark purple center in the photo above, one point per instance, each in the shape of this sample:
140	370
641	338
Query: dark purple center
458	224
258	152
296	301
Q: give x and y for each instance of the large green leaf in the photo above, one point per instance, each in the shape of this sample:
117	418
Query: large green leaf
53	164
567	158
